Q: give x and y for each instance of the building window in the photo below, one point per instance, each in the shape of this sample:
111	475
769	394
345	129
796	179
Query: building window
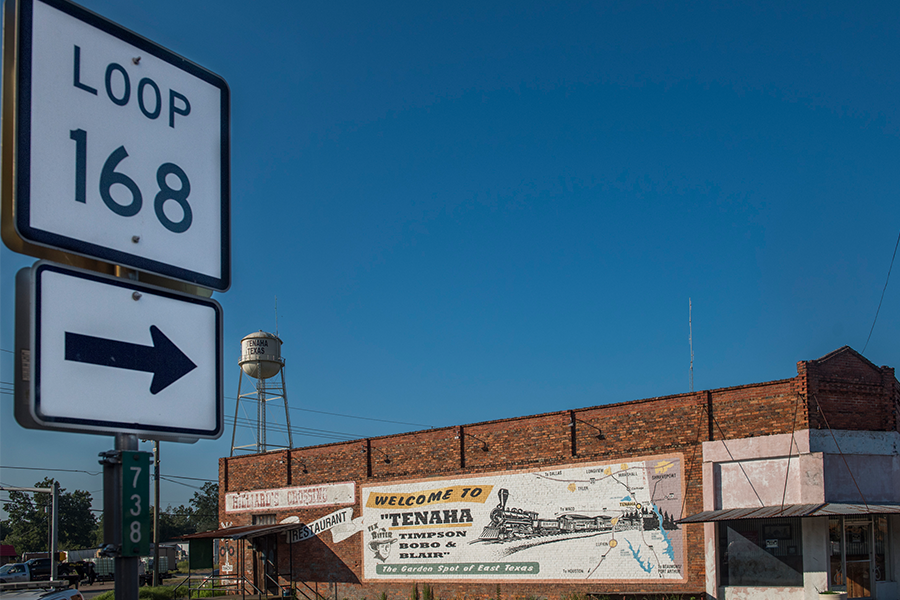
859	553
263	520
761	552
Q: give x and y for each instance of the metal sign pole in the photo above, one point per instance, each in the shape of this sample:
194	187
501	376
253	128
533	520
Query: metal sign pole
125	567
127	582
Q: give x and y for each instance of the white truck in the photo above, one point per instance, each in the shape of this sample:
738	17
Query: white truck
36	569
15	572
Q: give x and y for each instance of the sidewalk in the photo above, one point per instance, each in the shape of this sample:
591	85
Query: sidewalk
99	587
90	591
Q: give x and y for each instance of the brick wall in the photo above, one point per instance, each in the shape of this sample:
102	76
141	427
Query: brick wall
847	392
850	392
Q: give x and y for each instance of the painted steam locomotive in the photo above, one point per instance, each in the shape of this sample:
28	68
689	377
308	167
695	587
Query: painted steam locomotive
515	523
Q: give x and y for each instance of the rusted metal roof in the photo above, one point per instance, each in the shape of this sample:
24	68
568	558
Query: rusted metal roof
858	509
242	532
791	510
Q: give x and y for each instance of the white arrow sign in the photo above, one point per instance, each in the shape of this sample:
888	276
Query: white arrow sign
110	355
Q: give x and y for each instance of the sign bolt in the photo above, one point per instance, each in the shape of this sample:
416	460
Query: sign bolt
136	59
135	238
135	296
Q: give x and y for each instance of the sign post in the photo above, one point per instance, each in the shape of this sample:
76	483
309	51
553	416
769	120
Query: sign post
115	158
120	500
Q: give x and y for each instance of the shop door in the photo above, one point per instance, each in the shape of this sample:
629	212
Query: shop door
858	557
265	576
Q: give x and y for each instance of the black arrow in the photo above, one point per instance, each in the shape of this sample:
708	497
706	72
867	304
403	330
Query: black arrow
167	363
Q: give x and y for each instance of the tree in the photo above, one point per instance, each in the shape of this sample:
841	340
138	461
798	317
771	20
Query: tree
201	514
26	529
205	508
28	526
174	523
97	534
76	520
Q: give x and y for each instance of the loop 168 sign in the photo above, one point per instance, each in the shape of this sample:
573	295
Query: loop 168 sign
121	147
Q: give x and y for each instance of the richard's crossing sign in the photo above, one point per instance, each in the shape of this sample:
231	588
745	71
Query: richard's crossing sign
99	354
114	148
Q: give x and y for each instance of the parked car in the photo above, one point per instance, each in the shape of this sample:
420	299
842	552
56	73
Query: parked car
14	572
42	594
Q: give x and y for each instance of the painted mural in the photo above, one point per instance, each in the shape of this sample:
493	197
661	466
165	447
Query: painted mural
310	496
590	521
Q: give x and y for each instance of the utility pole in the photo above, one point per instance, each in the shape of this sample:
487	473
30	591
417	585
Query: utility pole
54	531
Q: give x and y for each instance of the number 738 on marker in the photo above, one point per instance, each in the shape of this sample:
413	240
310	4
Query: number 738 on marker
135	503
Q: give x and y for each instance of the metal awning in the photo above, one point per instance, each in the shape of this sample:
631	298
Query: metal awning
827	509
242	532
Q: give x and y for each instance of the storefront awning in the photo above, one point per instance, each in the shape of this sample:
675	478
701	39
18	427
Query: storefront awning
242	532
792	510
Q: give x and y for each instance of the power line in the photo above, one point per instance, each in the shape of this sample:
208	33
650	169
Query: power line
192	478
179	483
882	293
308	431
57	470
98	473
322	412
319	412
282	428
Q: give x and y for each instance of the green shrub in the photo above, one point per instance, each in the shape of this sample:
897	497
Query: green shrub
163	592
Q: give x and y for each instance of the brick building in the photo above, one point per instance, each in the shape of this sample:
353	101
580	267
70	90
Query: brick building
770	490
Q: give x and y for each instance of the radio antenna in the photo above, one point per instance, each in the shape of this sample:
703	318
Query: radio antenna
691	342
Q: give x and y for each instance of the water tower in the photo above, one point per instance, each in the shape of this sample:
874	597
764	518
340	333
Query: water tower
261	361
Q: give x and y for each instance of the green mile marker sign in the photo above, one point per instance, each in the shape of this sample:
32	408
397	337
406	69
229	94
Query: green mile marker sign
135	503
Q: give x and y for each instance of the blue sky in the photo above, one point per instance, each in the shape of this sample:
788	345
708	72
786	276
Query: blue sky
470	211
